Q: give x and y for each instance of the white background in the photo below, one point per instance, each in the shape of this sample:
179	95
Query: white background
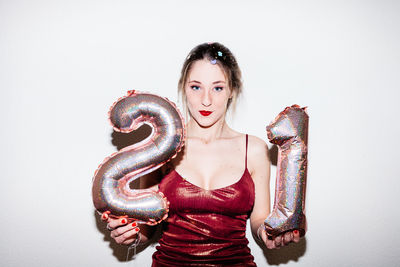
63	63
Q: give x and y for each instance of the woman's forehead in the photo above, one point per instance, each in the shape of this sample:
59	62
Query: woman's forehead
205	72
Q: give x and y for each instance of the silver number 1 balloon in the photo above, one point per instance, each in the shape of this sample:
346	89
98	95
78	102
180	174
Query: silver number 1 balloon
289	131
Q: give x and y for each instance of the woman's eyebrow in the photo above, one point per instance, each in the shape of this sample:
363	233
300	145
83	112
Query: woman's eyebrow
194	81
218	82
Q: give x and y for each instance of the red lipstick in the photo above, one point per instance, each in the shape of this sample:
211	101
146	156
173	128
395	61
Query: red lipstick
205	112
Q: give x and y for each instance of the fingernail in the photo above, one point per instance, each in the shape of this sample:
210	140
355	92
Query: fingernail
137	229
123	221
104	216
295	232
134	224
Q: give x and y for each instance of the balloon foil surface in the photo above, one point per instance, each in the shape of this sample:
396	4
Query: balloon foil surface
110	189
289	131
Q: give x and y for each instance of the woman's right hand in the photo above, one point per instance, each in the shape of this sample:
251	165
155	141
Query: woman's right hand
122	231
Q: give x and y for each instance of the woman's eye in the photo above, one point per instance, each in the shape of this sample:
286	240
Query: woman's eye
194	87
218	89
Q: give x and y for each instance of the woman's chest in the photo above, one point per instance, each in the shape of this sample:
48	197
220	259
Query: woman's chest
212	167
234	199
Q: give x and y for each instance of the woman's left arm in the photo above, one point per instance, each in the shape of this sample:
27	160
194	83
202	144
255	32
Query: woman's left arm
259	166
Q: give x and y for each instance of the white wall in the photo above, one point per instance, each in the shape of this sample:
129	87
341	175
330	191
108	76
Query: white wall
63	63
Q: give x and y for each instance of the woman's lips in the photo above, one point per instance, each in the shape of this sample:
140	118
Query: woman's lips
205	112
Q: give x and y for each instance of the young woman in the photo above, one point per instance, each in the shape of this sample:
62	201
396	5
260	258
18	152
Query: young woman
218	181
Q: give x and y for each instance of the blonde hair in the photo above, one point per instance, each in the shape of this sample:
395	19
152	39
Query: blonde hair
221	56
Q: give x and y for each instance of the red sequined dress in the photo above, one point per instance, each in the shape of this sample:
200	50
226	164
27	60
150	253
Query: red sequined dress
206	227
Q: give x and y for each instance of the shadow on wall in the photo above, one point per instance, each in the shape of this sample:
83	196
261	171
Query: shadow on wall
121	140
273	157
291	252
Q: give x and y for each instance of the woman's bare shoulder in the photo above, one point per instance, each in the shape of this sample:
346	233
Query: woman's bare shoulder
257	148
257	157
257	143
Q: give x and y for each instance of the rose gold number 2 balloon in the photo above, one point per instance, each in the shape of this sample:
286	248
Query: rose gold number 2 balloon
111	191
289	131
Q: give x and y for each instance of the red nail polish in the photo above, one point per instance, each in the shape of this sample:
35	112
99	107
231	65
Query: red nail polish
295	232
137	229
123	221
134	224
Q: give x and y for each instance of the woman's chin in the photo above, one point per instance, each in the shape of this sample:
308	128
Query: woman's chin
205	122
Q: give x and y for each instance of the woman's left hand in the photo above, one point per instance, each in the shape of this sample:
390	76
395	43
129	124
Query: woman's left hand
280	240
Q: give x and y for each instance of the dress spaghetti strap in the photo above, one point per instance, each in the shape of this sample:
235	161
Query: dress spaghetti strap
247	141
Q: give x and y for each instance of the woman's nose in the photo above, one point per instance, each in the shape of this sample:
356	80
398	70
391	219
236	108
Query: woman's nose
206	98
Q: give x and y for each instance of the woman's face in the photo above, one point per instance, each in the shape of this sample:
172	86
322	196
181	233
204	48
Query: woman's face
207	93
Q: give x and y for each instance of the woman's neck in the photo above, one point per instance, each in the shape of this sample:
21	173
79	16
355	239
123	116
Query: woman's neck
207	134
